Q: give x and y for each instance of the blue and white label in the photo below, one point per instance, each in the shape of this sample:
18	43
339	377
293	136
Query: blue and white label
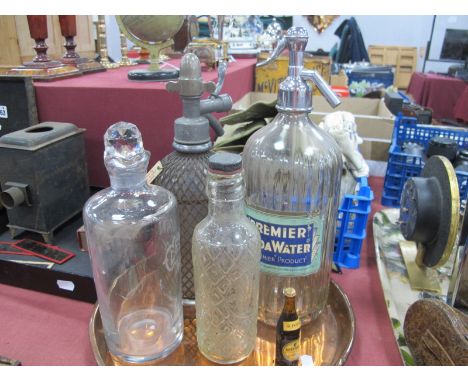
3	111
291	245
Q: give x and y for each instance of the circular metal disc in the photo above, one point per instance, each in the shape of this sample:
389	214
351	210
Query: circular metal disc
437	252
149	75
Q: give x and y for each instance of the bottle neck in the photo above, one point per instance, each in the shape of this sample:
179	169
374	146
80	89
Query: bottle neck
192	131
226	194
125	181
293	118
289	305
296	63
191	107
126	175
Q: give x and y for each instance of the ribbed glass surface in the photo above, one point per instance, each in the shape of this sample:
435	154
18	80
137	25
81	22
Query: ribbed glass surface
185	176
293	169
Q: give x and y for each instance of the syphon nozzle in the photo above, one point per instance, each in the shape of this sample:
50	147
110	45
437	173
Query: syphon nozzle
294	93
191	132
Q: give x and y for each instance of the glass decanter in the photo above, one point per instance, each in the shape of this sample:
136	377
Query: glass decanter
133	239
226	260
293	174
184	170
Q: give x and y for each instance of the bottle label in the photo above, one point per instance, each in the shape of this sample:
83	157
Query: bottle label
290	326
291	245
291	350
3	111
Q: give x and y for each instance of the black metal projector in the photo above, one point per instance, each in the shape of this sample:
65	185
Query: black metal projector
43	177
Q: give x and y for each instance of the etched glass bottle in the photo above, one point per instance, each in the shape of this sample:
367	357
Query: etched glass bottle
226	260
132	232
293	173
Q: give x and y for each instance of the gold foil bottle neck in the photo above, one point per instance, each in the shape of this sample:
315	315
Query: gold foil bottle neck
289	292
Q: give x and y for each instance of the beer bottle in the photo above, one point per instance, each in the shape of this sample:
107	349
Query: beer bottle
288	332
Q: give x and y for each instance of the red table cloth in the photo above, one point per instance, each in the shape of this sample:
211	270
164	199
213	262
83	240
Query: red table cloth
446	96
461	107
96	101
41	329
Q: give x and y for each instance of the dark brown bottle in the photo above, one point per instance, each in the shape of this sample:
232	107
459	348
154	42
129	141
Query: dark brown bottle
288	332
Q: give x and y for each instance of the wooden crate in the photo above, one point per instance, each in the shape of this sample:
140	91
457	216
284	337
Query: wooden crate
267	78
403	58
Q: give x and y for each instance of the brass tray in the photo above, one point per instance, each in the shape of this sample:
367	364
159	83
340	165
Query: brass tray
328	339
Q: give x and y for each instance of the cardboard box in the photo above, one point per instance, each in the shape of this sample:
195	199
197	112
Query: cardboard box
340	79
373	119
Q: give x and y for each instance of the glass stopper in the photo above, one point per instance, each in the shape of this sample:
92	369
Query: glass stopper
123	143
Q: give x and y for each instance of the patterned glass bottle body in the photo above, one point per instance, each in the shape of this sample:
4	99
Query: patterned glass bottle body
185	176
226	256
293	173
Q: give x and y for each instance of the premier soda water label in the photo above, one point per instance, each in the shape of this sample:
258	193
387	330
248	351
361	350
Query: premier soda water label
291	245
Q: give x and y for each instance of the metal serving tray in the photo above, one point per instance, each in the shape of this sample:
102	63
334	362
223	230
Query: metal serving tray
328	339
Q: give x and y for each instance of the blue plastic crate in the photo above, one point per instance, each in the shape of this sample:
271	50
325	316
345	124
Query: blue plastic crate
351	226
402	166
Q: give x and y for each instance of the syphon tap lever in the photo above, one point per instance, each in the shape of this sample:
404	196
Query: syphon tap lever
223	58
222	69
275	53
294	93
215	125
218	104
223	61
192	130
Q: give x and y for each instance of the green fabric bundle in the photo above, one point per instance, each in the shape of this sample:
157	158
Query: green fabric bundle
239	126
